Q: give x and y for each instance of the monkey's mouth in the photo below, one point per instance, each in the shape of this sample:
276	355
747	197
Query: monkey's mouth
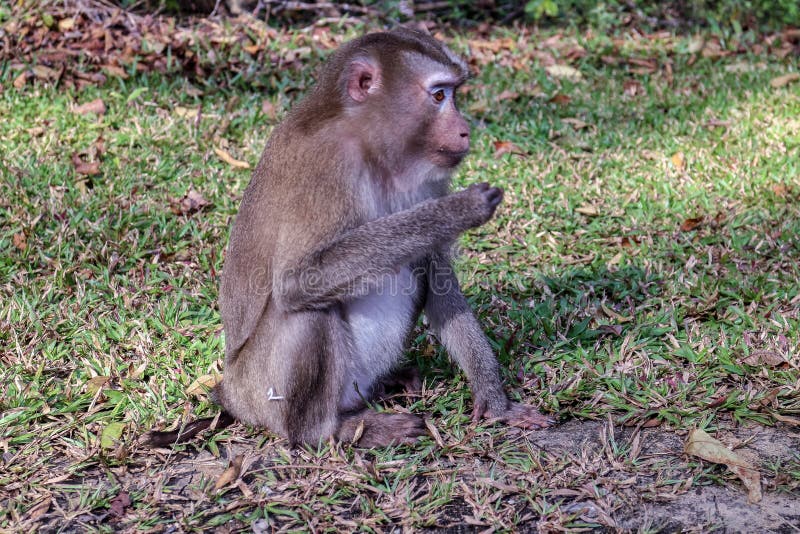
449	158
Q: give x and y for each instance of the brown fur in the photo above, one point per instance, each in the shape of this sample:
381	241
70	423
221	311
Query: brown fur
338	245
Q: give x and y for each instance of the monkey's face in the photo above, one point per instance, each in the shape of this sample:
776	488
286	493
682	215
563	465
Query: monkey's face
441	135
448	140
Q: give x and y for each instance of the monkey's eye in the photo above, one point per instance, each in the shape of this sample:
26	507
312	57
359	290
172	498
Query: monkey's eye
439	96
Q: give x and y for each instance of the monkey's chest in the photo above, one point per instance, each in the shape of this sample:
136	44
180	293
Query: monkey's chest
381	320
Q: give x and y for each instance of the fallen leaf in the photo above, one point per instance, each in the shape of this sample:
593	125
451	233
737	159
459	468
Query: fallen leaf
39	509
780	190
588	210
507	147
789	420
613	329
111	435
700	444
434	432
230	160
786	79
690	224
564	72
268	109
560	99
679	160
632	88
67	24
507	95
85	168
614	315
20	241
231	473
96	106
760	357
45	73
119	504
94	384
190	203
575	123
186	113
21	80
203	384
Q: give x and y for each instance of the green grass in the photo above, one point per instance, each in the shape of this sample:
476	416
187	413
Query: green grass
597	302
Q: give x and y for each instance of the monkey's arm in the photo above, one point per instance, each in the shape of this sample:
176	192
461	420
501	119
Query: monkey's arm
459	331
359	258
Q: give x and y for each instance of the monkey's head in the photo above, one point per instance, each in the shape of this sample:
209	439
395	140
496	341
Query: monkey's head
398	90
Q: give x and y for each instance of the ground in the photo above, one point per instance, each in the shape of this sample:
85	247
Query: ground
639	281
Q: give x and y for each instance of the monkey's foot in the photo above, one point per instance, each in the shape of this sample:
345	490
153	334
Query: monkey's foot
518	415
369	429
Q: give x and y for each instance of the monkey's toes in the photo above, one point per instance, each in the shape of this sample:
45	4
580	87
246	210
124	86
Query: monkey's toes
384	429
523	416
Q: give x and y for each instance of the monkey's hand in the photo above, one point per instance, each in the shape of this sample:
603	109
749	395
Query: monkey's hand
515	414
479	202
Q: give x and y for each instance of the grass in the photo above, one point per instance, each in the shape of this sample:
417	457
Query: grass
643	271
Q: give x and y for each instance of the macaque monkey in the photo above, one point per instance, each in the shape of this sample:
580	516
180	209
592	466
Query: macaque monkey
342	240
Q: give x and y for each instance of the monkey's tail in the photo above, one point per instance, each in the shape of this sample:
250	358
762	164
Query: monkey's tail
156	439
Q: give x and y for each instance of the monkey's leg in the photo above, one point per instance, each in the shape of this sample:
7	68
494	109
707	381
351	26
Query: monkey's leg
462	336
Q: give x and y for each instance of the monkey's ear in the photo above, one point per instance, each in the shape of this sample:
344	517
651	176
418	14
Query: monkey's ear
363	78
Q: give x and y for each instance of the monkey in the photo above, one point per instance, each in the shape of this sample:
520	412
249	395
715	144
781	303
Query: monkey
342	239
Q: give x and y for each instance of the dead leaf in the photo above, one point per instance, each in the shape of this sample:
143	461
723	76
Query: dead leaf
230	160
679	160
67	24
96	106
46	73
614	315
560	99
85	168
39	509
700	444
507	95
21	80
434	432
691	223
203	384
20	241
632	88
268	109
576	123
588	210
766	357
786	79
190	203
789	420
119	504
94	384
564	72
230	474
186	113
507	147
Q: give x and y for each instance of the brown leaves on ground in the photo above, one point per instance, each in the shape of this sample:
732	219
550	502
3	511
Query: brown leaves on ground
191	202
116	42
230	474
786	79
230	160
96	106
85	168
703	446
507	147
